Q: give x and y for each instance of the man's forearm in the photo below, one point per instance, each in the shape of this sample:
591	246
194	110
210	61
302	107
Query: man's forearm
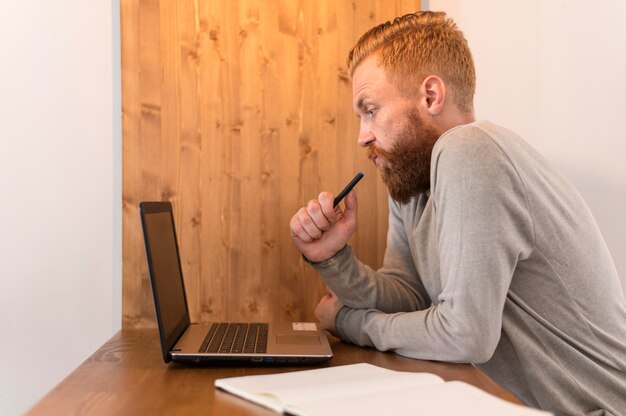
360	287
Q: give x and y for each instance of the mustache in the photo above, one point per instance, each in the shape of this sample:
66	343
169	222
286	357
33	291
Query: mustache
373	152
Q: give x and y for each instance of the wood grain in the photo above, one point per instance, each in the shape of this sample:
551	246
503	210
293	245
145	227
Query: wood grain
239	112
127	376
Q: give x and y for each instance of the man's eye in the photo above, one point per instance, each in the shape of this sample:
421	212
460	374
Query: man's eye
370	111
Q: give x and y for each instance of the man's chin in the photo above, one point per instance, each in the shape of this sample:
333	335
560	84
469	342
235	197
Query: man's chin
404	198
402	193
378	162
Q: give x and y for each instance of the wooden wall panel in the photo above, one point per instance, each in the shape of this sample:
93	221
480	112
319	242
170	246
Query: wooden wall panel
239	112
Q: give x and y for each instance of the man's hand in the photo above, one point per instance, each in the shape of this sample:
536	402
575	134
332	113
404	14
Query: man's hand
319	230
327	309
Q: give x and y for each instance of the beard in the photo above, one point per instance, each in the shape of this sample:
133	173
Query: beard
406	167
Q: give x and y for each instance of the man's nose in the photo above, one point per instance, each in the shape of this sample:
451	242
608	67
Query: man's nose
366	138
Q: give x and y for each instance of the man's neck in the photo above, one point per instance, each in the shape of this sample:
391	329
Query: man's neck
452	118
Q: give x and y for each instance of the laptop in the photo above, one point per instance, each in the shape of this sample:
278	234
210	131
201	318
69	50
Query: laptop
214	342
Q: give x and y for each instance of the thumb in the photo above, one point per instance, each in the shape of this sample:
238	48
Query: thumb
350	210
330	292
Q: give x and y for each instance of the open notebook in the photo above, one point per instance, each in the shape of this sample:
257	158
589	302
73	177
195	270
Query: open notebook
365	389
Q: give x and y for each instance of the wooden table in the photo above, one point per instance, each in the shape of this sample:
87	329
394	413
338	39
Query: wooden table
127	376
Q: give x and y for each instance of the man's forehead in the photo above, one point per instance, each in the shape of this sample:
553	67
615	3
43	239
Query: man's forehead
366	75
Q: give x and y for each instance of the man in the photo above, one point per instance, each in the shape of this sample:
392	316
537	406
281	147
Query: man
492	256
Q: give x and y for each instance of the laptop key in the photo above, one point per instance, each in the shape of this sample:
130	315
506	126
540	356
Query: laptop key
240	338
207	339
229	338
261	344
215	343
236	338
250	342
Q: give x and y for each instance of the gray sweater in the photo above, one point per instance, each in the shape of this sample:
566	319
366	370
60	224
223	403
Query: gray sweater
500	264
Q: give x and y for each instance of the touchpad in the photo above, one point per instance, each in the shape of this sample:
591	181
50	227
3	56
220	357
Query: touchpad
298	339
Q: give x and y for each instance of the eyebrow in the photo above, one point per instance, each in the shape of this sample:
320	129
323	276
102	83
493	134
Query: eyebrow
359	104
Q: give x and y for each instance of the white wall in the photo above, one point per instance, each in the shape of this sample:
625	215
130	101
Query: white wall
554	71
60	182
551	70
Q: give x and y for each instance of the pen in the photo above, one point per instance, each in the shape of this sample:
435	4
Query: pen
347	189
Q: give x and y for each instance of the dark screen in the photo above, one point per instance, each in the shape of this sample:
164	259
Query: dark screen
166	275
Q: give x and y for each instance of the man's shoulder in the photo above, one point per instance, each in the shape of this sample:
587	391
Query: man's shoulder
473	137
471	144
480	153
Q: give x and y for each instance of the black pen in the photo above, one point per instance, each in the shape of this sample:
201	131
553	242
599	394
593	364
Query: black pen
347	189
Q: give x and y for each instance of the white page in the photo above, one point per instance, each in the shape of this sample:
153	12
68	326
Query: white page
298	397
448	399
321	385
343	374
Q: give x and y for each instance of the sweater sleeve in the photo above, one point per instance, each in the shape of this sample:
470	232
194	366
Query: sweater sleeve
395	287
483	229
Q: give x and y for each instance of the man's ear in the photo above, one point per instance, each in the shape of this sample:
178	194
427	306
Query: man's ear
433	91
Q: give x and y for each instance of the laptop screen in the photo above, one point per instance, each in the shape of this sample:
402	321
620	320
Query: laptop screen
165	271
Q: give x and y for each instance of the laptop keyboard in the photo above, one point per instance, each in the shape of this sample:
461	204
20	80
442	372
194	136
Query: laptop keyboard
236	338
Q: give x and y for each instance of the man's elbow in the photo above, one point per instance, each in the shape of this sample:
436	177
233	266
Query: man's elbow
480	356
474	345
461	351
479	350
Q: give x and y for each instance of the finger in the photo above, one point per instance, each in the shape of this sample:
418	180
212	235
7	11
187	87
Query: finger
321	303
317	312
297	231
327	200
316	213
308	225
330	292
